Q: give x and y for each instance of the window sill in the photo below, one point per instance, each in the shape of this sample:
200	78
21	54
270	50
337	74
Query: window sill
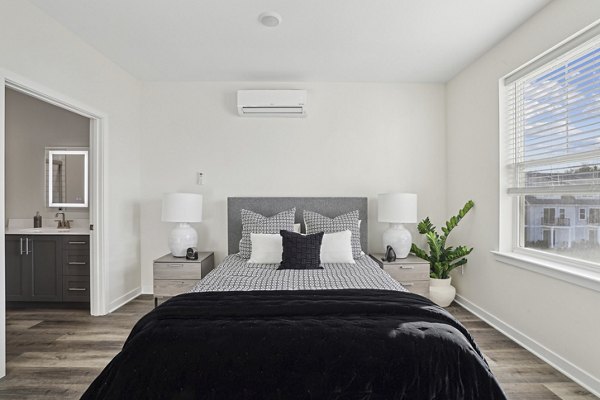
577	276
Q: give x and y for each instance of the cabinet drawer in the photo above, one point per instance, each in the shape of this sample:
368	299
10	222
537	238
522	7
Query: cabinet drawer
407	272
76	264
177	270
76	288
417	287
76	243
172	287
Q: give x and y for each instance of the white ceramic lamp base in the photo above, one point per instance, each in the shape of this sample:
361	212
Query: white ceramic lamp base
181	238
399	238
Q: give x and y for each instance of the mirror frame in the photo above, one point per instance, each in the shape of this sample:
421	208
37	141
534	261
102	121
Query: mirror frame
85	175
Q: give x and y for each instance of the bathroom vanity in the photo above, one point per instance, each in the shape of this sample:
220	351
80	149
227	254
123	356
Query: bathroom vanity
48	265
51	263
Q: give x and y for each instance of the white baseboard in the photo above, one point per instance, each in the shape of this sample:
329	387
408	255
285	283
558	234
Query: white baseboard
126	298
578	375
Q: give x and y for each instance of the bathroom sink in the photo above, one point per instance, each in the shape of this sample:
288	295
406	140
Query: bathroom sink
44	230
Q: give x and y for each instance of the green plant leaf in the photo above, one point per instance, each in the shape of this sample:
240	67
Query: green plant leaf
453	221
460	262
425	226
442	259
459	252
437	270
435	248
417	251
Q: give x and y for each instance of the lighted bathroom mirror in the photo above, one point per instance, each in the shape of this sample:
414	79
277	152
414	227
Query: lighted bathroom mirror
67	178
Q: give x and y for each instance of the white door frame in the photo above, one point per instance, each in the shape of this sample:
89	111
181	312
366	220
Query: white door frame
98	198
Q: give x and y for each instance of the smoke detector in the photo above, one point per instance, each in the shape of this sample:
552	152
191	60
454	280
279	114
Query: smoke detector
270	19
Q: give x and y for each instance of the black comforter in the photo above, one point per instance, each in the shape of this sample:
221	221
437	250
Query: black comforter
325	344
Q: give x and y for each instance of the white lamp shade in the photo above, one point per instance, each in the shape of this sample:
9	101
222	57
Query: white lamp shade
182	207
398	208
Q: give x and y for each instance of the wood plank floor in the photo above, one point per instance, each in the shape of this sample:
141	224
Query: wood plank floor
56	353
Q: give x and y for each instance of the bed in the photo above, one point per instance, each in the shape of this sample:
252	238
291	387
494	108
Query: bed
348	331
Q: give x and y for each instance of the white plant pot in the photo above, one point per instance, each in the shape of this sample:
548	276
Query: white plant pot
441	292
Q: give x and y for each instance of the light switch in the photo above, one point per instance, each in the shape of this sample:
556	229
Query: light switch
200	178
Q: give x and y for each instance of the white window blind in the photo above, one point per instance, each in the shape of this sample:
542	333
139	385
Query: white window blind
553	122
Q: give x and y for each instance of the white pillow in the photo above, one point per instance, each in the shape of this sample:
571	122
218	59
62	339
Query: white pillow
266	248
337	248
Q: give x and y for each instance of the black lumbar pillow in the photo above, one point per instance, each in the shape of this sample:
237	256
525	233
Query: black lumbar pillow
301	251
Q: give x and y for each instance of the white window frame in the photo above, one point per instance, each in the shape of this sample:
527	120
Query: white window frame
575	271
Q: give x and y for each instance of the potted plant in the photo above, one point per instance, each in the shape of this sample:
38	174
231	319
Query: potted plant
442	259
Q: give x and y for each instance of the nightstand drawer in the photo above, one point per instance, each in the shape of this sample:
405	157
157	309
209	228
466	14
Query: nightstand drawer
172	287
407	272
177	270
417	287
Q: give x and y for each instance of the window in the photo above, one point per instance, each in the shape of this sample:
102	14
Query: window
553	155
594	216
549	216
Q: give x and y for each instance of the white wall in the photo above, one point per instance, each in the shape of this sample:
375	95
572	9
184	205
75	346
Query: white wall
557	315
358	140
31	126
36	47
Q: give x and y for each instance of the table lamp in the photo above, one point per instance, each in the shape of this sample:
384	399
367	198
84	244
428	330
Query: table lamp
397	209
182	208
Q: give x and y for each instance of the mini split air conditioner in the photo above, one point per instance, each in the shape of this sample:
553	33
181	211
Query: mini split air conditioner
271	103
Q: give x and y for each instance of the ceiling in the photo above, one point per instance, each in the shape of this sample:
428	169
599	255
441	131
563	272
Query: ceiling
317	40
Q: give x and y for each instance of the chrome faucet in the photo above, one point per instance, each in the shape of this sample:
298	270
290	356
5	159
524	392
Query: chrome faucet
62	223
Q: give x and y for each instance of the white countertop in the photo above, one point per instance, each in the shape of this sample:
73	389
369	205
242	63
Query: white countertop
18	226
47	231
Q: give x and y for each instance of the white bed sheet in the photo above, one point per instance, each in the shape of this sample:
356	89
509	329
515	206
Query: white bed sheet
235	274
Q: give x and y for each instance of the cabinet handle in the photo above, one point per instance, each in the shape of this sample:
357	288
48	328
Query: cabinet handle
77	263
27	246
21	246
175	265
77	242
77	289
407	283
407	267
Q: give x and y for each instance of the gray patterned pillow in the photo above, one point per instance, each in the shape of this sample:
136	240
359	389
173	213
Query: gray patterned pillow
316	222
257	223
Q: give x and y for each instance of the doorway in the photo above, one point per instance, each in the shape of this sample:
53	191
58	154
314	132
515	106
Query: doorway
46	203
98	172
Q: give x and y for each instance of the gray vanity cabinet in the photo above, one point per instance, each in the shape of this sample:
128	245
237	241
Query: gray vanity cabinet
76	269
34	268
17	272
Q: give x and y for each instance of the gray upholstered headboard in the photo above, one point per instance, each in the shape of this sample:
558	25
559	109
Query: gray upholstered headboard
328	206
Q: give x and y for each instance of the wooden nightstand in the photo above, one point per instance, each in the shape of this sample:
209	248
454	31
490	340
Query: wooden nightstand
412	272
177	275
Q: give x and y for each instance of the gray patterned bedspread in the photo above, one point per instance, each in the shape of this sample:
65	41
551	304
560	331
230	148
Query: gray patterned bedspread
235	274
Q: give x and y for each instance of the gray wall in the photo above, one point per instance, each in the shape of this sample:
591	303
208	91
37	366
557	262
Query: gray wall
31	126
